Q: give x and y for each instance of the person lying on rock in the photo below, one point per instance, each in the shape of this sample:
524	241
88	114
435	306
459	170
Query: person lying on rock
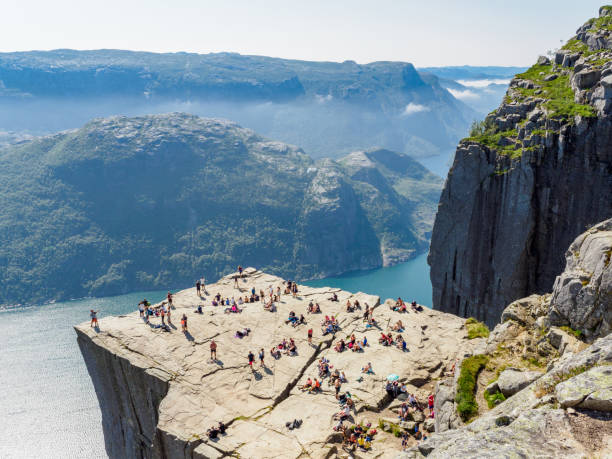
242	333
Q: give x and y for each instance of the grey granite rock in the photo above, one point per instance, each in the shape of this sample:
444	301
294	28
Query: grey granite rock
590	390
582	294
511	381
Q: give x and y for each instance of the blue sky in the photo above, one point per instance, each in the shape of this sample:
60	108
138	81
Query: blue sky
426	33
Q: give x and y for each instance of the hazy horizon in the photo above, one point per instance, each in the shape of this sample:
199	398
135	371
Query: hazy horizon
317	31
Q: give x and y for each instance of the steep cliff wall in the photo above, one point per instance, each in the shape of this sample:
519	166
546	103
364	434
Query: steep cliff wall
528	180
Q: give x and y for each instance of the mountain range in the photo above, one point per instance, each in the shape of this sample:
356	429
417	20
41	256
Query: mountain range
126	204
327	108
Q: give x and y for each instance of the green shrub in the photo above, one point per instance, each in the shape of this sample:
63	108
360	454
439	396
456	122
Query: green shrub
577	333
476	329
493	399
466	385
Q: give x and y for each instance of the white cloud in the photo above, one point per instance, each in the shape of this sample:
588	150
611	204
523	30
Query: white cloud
412	108
322	99
463	95
482	83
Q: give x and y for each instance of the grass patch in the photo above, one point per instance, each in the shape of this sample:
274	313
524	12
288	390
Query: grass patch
467	406
548	387
558	92
493	399
577	333
476	329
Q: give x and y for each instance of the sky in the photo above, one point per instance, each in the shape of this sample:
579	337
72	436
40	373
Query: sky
424	32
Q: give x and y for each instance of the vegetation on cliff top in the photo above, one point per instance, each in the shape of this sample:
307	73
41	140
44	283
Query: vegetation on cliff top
466	385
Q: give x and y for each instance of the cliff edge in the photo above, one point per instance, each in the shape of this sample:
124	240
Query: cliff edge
159	391
529	179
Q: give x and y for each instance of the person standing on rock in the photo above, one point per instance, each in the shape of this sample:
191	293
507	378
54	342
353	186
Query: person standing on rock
240	270
251	359
163	314
213	350
337	385
94	318
310	336
203	284
261	357
236	282
184	323
198	284
169	297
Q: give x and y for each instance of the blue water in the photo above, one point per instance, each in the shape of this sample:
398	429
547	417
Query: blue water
48	407
408	280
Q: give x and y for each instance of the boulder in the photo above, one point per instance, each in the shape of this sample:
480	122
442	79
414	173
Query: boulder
582	294
429	425
589	390
585	79
511	381
526	310
543	60
551	77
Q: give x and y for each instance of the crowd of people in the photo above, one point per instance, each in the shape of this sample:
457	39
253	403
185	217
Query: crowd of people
354	435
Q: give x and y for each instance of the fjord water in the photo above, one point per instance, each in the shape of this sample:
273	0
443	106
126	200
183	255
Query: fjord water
48	407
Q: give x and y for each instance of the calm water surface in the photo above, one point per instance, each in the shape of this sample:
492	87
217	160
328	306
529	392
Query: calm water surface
48	407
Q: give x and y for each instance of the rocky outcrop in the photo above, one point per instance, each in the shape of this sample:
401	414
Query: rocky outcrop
522	425
591	390
511	381
529	180
159	391
582	294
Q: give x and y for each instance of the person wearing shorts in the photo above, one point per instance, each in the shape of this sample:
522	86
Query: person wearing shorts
213	350
94	318
261	357
251	359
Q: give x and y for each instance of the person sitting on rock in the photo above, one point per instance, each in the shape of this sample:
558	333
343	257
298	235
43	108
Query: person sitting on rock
384	339
340	346
316	386
275	353
334	297
416	307
367	369
307	385
356	304
222	428
212	433
349	306
310	307
292	348
398	327
292	318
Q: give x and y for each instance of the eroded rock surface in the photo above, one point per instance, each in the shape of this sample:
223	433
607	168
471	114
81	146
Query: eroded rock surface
582	294
159	391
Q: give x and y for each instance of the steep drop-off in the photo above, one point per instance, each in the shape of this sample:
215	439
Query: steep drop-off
127	204
528	180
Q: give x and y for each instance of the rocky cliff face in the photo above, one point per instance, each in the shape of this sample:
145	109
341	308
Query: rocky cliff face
531	177
546	367
159	391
